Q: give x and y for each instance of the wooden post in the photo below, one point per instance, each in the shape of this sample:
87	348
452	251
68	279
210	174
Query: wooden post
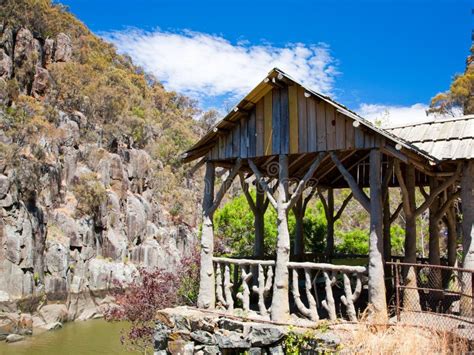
377	297
450	222
207	294
410	217
467	198
259	223
280	301
298	250
387	241
330	225
434	253
206	298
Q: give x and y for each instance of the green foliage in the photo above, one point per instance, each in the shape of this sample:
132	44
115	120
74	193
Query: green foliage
353	242
295	342
459	95
315	225
90	194
397	236
233	225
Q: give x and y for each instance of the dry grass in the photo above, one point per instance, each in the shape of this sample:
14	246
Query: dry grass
369	339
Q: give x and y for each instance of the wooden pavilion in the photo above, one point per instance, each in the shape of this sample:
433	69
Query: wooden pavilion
292	143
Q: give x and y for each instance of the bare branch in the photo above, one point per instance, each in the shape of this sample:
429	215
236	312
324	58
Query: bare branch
245	189
309	197
304	180
437	191
343	206
263	183
395	214
423	192
323	201
359	194
446	205
403	188
226	184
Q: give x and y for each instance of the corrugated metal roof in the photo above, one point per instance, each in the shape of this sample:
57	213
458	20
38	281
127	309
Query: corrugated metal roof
447	139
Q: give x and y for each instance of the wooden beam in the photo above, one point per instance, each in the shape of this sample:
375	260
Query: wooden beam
359	194
263	183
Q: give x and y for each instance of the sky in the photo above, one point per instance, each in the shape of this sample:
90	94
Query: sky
383	59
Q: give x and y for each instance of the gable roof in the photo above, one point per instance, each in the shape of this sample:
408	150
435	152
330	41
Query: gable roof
447	139
205	144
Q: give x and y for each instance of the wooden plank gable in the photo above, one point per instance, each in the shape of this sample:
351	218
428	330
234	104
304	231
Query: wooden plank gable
288	120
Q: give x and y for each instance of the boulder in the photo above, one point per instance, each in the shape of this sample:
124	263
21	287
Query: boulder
102	273
136	217
24	46
56	258
63	48
263	335
9	323
25	324
160	338
52	326
53	313
41	82
48	51
232	340
181	347
13	338
88	313
115	245
6	41
5	65
207	350
203	337
276	350
4	186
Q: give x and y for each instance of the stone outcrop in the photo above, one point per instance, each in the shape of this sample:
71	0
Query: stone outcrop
189	331
51	245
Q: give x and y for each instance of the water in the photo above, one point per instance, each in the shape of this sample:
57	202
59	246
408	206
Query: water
76	338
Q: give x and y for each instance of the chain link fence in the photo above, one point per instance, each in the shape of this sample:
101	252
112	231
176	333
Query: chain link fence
434	296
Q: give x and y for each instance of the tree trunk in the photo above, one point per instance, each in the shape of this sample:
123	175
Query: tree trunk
411	297
259	224
452	235
387	242
298	251
377	298
434	253
330	225
206	298
467	190
410	219
280	302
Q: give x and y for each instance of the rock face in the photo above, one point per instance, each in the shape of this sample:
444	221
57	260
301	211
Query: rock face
52	242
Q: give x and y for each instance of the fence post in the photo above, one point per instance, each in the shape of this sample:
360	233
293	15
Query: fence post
397	290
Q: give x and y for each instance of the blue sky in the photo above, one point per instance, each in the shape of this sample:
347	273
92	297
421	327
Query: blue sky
373	56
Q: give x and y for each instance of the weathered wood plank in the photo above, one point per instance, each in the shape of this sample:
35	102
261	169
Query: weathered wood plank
350	138
321	126
276	121
236	140
330	127
340	131
302	121
267	123
243	138
359	137
251	131
221	147
260	124
312	125
293	108
285	121
228	145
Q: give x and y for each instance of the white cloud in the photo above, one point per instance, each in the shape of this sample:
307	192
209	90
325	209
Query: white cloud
203	65
391	115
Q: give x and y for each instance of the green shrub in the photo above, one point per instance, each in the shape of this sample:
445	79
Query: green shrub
90	194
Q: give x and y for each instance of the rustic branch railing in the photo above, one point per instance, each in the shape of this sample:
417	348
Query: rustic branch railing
257	276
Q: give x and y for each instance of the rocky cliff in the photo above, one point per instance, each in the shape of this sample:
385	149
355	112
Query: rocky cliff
90	184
